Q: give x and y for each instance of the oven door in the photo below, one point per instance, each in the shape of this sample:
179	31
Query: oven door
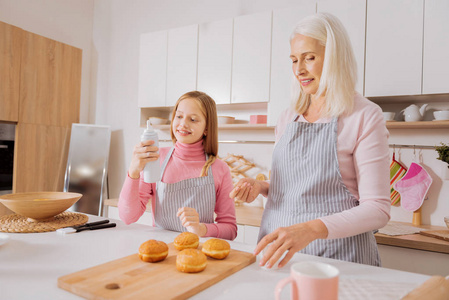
6	166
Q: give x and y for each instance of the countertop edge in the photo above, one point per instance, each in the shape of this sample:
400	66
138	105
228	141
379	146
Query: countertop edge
252	216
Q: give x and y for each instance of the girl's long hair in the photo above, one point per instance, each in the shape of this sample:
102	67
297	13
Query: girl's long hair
209	110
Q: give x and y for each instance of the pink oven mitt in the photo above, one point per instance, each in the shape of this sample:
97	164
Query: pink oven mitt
413	187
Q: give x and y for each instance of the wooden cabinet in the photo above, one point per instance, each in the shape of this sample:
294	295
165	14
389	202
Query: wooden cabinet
394	43
153	69
50	89
352	13
436	47
215	60
281	77
181	62
40	157
251	57
10	46
50	82
41	87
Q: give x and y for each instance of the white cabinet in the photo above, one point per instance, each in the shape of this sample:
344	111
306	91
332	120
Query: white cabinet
394	47
240	234
215	60
247	234
251	234
424	262
251	58
436	47
181	62
152	69
284	20
352	13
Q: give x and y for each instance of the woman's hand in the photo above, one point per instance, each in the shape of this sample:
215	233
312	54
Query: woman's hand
190	219
247	189
291	239
142	154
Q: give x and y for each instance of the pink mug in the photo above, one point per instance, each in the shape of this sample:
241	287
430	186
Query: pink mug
311	281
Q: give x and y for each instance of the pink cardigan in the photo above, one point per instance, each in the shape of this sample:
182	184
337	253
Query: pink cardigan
363	158
186	162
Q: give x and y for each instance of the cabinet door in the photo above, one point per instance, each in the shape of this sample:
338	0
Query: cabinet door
152	69
352	13
436	47
251	58
40	157
215	60
251	234
284	20
50	82
10	46
394	47
181	62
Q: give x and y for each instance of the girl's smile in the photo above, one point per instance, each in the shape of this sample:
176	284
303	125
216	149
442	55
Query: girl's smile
189	124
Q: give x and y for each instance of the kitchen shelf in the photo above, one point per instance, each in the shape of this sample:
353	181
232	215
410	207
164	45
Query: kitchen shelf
390	125
417	125
243	126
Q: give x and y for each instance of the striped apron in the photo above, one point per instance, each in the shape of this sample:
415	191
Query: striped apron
306	184
198	193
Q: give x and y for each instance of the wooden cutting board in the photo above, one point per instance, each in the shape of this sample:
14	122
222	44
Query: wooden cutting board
131	278
439	234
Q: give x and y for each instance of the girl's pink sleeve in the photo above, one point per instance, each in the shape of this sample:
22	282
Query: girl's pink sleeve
225	225
133	199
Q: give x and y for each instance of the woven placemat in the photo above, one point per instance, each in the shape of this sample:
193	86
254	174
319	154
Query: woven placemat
20	224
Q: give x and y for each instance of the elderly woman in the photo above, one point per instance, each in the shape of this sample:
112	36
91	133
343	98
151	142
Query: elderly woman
329	187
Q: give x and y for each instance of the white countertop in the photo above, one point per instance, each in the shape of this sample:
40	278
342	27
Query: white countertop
30	264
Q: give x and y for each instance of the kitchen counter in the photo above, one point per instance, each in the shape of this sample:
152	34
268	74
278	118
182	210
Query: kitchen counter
31	263
251	215
415	241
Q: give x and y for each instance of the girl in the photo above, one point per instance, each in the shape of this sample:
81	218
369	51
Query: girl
181	200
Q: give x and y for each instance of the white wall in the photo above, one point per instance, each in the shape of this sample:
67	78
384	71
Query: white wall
118	25
108	31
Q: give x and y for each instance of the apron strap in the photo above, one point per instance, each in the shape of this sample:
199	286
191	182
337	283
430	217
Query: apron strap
167	158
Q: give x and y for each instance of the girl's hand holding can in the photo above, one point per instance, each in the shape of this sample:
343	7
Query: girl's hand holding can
143	153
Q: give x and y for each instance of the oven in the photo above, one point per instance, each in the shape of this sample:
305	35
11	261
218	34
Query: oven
7	133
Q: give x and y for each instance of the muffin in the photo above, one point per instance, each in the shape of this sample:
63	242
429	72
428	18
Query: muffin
191	261
186	240
216	248
153	251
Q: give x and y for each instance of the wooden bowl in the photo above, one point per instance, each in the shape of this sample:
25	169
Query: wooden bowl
158	121
39	205
226	120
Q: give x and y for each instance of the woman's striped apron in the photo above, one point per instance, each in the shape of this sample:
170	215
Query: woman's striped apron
198	193
306	184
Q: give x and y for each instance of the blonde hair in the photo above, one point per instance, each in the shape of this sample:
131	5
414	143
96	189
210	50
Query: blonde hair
209	110
339	74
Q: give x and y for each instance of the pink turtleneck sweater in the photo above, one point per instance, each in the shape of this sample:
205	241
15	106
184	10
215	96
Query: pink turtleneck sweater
186	162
